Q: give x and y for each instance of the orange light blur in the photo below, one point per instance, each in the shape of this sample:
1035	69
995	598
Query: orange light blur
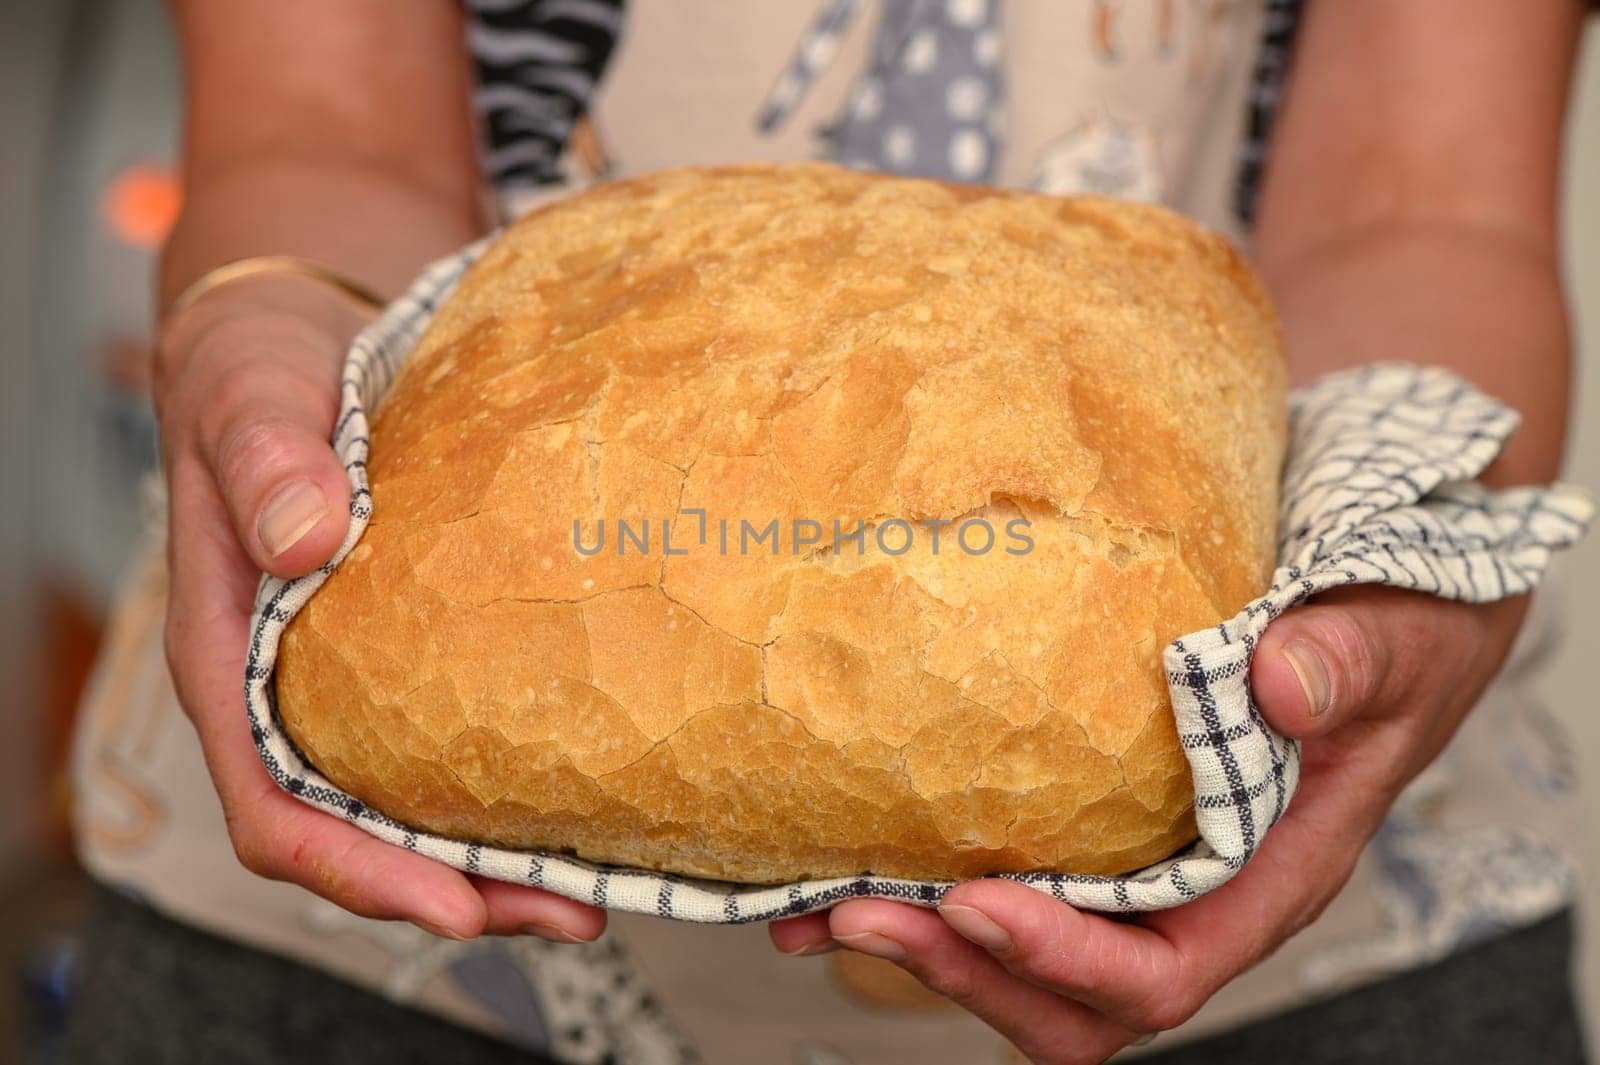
140	205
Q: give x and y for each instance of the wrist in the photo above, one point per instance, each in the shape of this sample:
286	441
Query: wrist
261	308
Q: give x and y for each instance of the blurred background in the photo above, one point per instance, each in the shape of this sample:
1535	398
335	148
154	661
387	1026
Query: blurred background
88	106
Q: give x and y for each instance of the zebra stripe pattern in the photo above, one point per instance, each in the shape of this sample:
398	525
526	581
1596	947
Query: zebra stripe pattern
1273	57
538	64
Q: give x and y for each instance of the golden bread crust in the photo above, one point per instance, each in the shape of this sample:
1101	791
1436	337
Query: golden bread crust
803	342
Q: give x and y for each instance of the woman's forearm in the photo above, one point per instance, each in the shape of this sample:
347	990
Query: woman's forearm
1484	303
353	216
1410	205
339	132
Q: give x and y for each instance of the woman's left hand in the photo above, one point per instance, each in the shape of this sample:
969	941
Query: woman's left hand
1374	680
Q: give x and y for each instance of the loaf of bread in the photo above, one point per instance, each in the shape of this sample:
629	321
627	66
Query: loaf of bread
775	522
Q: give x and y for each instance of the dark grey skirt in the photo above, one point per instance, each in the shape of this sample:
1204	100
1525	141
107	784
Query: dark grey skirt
1508	1001
156	992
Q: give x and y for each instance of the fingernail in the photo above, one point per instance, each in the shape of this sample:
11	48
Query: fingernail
555	933
290	514
825	946
875	944
1144	1040
976	925
1307	665
440	930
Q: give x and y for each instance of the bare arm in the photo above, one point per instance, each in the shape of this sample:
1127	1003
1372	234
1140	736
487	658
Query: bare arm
339	132
1410	203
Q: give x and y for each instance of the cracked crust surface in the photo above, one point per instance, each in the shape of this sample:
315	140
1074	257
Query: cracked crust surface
803	342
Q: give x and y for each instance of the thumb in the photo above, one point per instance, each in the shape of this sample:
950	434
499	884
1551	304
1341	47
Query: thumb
1321	665
264	432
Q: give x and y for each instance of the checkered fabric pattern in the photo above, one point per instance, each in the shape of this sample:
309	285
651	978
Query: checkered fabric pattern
1377	490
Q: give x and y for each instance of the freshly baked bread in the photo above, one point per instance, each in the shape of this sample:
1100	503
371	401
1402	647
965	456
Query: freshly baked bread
1099	384
881	984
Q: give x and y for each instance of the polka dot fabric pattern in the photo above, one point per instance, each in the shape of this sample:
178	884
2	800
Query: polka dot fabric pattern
1378	489
931	101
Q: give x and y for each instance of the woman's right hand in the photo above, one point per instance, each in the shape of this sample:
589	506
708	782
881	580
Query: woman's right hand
247	385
